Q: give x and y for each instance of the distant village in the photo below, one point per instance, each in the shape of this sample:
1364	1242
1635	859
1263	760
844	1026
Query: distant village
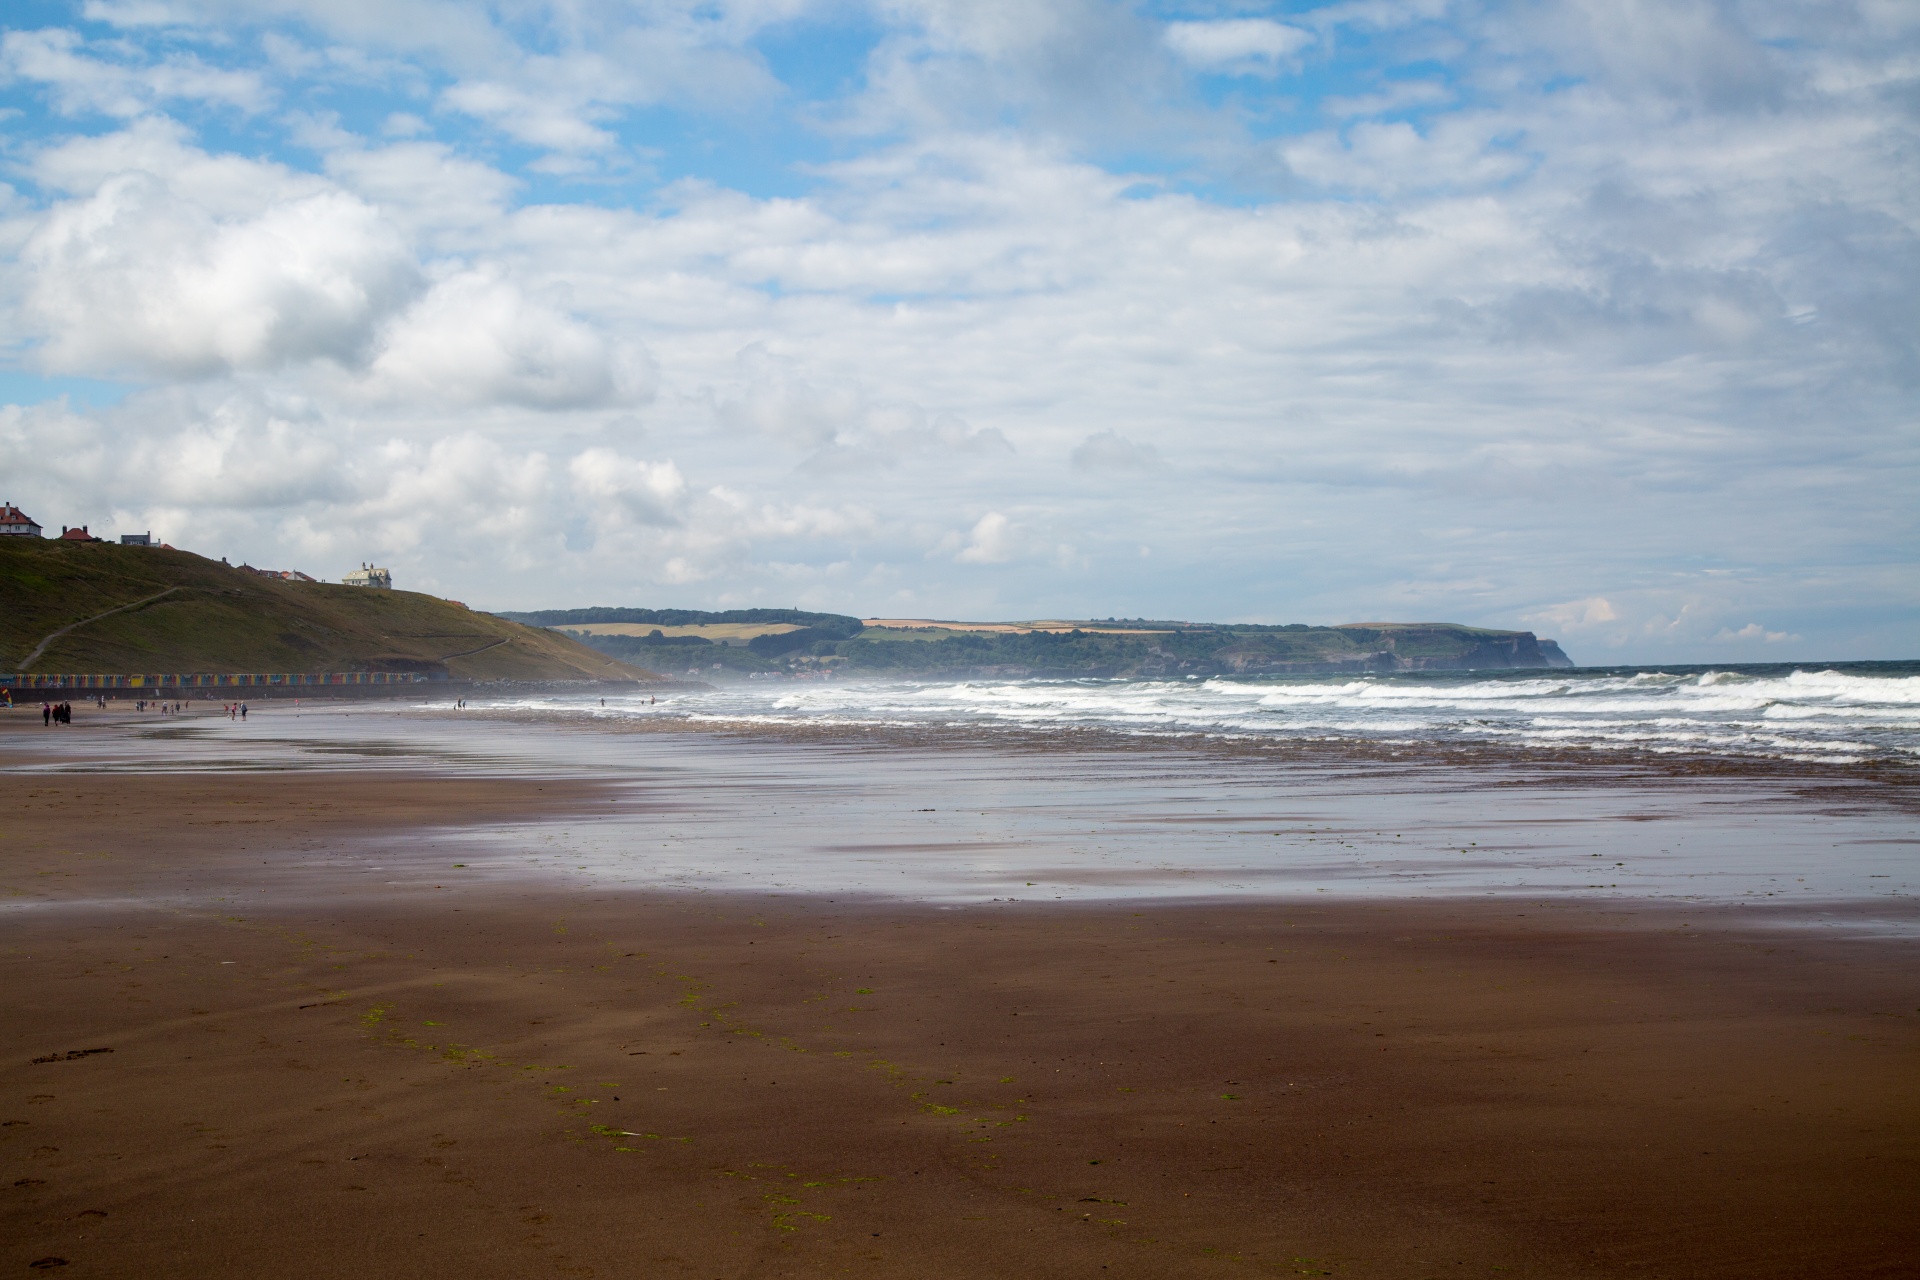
15	523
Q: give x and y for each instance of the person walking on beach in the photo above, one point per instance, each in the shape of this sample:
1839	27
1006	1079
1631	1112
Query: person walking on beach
243	711
46	714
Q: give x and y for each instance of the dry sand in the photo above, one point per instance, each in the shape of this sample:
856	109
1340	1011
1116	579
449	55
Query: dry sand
323	1076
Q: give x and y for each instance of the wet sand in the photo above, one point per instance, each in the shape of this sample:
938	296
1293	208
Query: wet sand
321	1066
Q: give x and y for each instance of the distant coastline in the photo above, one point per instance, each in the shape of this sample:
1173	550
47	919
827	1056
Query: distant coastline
792	641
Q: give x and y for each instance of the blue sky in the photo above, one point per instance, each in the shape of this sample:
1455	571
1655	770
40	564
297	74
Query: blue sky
1594	318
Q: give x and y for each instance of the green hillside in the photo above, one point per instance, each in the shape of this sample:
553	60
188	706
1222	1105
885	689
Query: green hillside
191	614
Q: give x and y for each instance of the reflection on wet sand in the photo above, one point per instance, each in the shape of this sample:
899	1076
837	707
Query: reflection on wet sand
950	819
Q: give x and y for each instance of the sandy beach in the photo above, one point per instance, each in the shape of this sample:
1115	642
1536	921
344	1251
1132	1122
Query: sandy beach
260	1022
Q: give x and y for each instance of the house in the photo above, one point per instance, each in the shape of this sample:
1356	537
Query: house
137	539
77	534
16	523
285	575
368	576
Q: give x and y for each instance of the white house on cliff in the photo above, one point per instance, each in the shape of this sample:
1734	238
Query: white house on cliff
369	576
16	523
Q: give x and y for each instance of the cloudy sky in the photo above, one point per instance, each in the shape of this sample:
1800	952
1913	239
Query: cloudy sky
1595	317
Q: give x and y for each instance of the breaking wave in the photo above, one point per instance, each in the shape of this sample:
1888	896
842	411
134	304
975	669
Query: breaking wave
1811	713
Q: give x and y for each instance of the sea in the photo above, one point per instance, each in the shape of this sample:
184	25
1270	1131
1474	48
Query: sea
1810	713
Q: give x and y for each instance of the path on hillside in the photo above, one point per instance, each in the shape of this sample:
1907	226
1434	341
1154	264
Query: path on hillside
493	644
41	648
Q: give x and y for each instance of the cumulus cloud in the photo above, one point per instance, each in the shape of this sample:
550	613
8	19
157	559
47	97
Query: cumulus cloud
1576	615
478	338
138	278
629	489
991	541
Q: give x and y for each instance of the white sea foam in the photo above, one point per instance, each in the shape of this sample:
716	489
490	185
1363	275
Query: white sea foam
1808	714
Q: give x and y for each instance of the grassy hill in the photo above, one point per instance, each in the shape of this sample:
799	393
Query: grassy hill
191	614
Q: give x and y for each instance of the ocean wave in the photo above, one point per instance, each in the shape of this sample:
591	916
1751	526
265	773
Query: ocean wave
1807	714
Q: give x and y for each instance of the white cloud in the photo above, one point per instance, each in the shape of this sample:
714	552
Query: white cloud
627	490
804	521
1575	615
139	279
423	186
1396	96
1752	631
81	81
1240	46
133	13
477	338
992	541
840	423
540	119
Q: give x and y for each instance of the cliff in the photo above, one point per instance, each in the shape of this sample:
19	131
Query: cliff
1203	650
786	640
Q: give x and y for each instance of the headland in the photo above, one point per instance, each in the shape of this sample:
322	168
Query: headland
783	641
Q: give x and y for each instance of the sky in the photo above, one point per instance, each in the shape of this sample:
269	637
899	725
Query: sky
1596	318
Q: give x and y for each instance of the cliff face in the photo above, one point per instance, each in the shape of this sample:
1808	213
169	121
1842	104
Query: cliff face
1147	650
1550	650
1445	648
1388	647
1199	650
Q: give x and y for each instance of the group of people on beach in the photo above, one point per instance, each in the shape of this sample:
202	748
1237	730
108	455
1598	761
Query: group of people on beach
52	713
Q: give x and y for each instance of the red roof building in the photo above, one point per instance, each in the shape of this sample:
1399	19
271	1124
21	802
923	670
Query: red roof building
16	523
76	534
